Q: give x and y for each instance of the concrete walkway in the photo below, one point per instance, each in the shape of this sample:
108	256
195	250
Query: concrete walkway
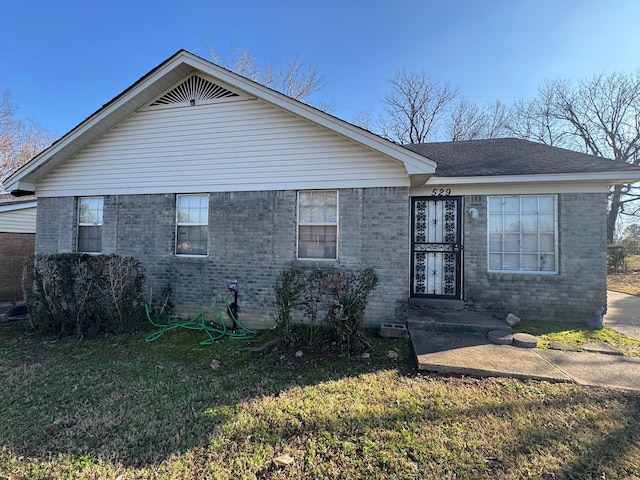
473	354
623	313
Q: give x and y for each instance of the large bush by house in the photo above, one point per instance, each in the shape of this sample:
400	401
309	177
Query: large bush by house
84	295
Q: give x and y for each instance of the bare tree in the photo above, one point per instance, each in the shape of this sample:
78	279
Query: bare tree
599	116
535	119
415	107
296	80
19	141
468	121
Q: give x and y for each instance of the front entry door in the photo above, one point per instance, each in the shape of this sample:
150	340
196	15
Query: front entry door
436	247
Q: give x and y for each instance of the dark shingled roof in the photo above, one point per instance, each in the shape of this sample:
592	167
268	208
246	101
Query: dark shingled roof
511	156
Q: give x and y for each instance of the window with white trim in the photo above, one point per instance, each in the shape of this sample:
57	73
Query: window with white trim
523	234
90	211
318	224
192	224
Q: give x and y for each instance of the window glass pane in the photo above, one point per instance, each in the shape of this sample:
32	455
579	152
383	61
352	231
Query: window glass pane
546	222
530	242
192	240
495	223
511	204
495	205
546	243
495	242
318	207
192	224
546	204
512	223
495	261
529	204
529	222
530	263
193	209
91	211
548	263
317	241
89	239
511	262
511	243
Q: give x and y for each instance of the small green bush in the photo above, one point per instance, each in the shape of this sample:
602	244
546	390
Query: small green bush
84	295
615	258
338	297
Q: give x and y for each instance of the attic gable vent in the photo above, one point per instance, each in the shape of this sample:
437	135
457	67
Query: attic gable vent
196	89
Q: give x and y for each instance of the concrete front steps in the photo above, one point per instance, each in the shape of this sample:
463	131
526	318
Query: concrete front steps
442	320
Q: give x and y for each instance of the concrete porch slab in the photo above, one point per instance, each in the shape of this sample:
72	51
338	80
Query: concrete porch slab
473	354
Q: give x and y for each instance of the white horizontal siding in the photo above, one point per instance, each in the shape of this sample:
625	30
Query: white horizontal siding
18	221
227	146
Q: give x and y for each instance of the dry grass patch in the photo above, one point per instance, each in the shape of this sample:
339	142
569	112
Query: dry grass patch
628	281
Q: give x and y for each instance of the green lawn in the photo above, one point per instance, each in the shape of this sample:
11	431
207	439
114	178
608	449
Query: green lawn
577	334
120	408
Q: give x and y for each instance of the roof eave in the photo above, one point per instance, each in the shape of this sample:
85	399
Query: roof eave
10	207
19	188
165	75
609	178
96	124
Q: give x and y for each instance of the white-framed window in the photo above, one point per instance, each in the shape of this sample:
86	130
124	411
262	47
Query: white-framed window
523	234
318	224
192	224
90	211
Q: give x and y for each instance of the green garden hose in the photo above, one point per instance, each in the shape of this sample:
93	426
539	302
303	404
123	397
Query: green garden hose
198	323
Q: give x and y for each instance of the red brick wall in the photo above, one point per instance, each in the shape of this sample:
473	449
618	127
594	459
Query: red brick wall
14	248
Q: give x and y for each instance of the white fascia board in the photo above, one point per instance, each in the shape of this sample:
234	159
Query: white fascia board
14	183
18	206
510	189
596	177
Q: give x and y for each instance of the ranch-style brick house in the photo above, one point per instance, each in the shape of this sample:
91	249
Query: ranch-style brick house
208	178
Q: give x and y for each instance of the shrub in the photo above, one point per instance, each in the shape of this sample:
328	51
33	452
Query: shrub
84	295
349	298
615	258
338	297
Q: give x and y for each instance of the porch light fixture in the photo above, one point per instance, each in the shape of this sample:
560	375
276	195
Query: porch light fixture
473	212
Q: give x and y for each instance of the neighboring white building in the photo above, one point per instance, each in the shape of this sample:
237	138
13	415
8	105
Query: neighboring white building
17	240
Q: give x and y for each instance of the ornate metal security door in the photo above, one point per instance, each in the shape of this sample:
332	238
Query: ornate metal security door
436	247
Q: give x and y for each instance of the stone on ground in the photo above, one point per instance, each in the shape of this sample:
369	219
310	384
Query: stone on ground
500	337
525	340
512	319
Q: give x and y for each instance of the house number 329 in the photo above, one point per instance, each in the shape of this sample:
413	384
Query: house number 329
441	192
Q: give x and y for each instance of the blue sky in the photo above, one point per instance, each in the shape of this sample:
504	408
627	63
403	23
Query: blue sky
62	60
